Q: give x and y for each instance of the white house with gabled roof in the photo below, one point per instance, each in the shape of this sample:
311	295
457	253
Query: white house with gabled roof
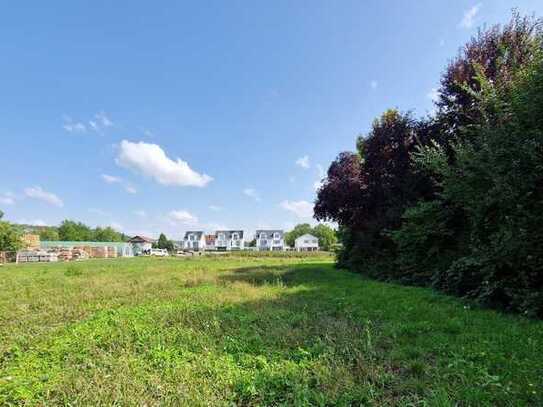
306	243
270	240
194	240
228	240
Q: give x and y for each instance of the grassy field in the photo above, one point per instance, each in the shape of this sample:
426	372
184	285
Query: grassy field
252	331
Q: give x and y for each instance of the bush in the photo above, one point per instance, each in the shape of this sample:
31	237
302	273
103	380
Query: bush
455	201
10	237
426	242
494	175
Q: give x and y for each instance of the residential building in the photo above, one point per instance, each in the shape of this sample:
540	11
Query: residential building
269	240
226	240
210	242
194	240
141	244
306	243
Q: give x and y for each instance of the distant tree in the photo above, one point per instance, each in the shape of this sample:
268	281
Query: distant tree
107	234
251	243
326	235
10	236
299	230
49	233
74	231
164	243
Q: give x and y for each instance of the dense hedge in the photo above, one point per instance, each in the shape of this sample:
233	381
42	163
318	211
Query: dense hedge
455	201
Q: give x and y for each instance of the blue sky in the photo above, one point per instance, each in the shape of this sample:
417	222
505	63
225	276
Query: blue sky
175	116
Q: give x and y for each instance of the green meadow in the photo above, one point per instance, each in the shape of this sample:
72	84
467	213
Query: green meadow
252	331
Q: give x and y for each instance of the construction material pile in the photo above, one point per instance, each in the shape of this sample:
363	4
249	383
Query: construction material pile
64	254
32	256
78	253
67	251
99	252
30	241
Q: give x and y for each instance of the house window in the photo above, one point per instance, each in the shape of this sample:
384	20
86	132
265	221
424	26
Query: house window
191	237
263	236
221	236
263	242
276	235
235	236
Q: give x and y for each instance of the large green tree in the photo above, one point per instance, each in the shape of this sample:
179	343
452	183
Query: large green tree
164	243
49	233
10	236
326	235
107	234
70	230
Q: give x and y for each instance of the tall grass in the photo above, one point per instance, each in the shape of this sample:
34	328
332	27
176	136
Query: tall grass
251	331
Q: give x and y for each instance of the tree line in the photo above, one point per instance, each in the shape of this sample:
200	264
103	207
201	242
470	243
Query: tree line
68	230
454	200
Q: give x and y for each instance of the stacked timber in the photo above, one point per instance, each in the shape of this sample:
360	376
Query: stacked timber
99	252
35	256
79	254
64	254
111	251
30	241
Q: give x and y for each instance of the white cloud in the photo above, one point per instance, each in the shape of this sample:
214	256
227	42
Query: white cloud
469	16
148	133
38	193
320	170
140	212
302	209
151	160
94	125
7	199
103	120
303	162
321	174
182	216
99	123
374	84
215	208
73	127
251	193
111	179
